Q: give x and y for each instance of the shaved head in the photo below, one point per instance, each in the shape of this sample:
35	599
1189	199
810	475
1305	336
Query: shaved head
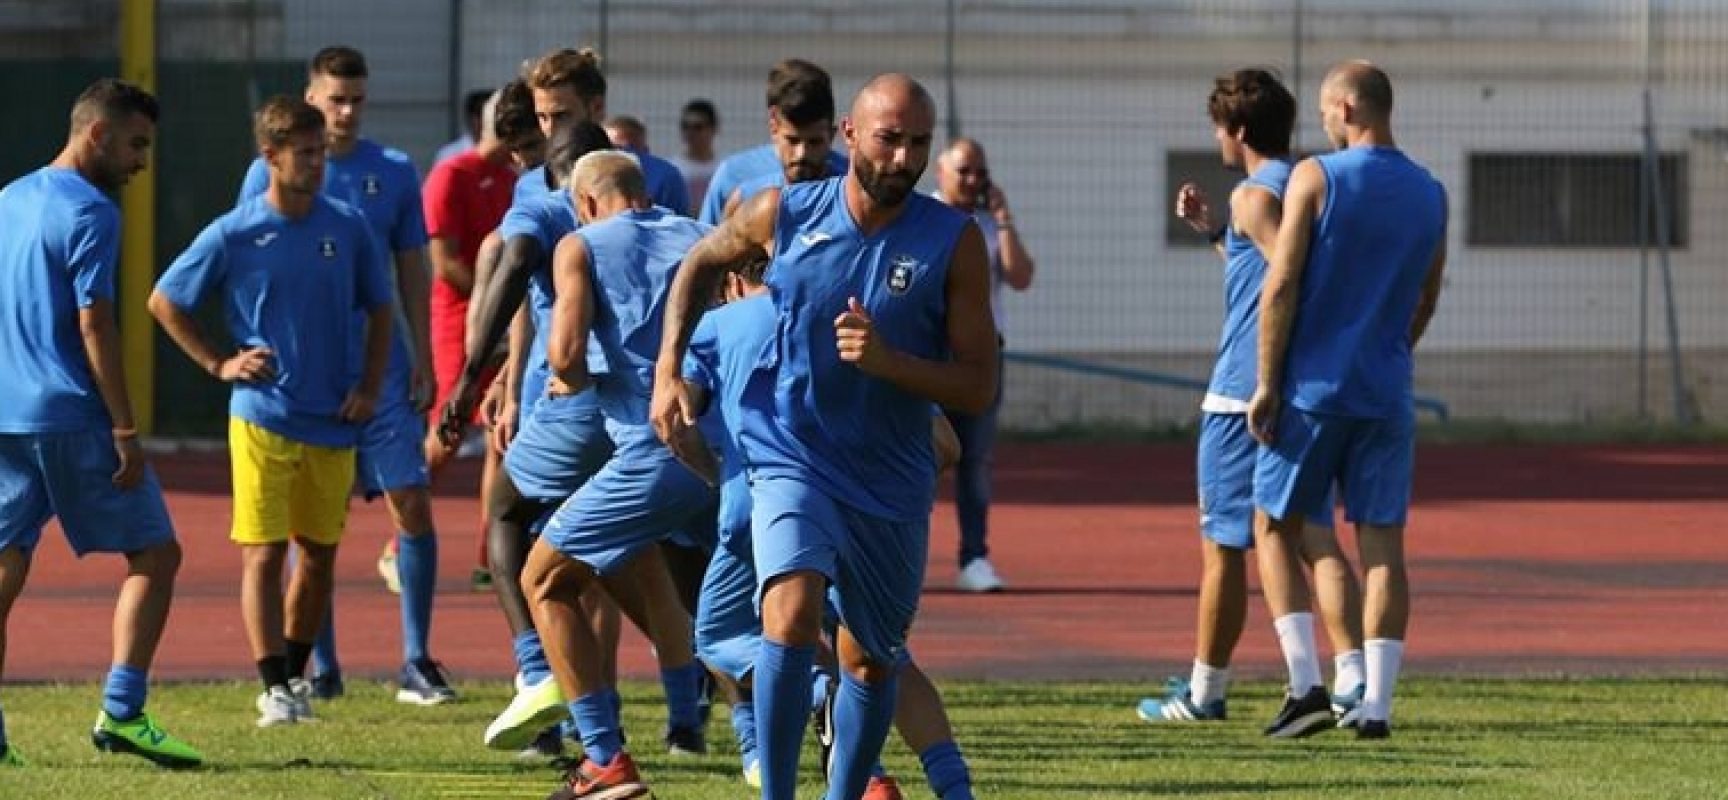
1366	85
889	132
964	147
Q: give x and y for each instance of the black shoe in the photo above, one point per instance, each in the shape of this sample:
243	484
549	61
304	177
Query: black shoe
686	742
823	722
1373	729
549	744
328	686
1302	716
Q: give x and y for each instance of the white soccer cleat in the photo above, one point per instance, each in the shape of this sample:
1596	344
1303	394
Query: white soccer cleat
275	707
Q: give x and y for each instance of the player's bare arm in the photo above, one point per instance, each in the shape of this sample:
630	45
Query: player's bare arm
572	316
1430	294
692	448
102	346
945	443
498	301
248	365
966	382
1303	199
1193	208
414	286
1255	213
749	231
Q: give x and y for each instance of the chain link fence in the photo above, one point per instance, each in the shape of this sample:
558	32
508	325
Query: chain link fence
1586	263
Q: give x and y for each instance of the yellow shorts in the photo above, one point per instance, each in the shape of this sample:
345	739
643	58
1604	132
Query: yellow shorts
284	487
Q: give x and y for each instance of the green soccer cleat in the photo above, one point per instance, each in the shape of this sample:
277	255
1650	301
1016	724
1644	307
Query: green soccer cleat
142	738
10	757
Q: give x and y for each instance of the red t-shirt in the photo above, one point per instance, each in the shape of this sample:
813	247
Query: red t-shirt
465	197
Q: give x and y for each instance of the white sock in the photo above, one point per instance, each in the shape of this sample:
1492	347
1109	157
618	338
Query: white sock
1207	683
1296	639
1385	658
1350	672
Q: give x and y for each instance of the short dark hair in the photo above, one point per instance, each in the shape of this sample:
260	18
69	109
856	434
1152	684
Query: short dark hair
805	101
569	145
754	268
793	70
704	108
514	115
474	103
577	69
283	116
1255	103
337	61
111	99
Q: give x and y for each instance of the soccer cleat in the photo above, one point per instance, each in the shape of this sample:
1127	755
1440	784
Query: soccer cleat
823	722
139	736
1347	707
532	709
882	787
686	742
753	773
1373	729
422	683
10	757
549	744
618	780
1178	705
1302	716
328	685
979	576
276	707
387	568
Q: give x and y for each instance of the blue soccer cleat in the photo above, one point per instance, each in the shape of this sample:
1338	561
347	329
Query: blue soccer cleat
1177	705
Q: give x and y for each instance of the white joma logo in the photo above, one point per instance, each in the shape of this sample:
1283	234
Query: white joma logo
265	238
814	238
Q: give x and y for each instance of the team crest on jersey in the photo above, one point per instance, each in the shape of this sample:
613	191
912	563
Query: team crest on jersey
327	247
370	185
900	273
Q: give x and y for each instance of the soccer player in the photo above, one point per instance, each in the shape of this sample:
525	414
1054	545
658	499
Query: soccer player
722	357
868	338
303	286
1252	115
762	159
1353	281
382	185
612	275
665	183
801	138
568	88
68	440
963	180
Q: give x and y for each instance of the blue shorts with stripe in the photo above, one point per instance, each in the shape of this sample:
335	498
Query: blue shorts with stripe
1225	468
1371	462
560	445
641	496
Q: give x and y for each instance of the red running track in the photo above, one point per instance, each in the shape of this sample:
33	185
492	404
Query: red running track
1524	559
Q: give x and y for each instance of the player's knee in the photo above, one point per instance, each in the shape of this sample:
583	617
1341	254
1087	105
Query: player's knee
412	508
792	608
863	668
160	562
546	579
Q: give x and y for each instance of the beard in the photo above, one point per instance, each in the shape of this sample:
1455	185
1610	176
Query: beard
885	188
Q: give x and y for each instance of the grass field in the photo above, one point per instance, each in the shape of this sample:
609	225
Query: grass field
1456	738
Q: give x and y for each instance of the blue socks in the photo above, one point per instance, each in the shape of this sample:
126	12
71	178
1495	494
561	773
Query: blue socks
946	771
531	657
597	718
683	687
417	570
744	727
123	694
863	713
782	708
821	683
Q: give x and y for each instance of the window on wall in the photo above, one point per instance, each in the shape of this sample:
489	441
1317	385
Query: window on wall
1204	168
1562	200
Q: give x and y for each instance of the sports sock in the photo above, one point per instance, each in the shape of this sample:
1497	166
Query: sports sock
1350	672
1296	639
417	571
744	728
531	658
945	769
863	713
1207	683
1385	658
683	686
123	694
298	654
598	724
273	671
782	706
